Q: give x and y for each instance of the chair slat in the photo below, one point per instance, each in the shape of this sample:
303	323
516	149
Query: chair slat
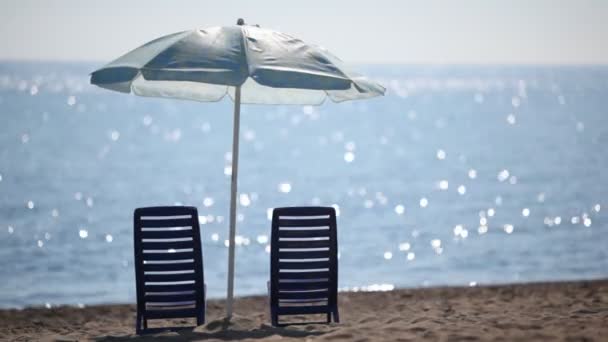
166	223
286	265
304	243
168	244
182	266
168	256
182	313
169	277
299	310
303	275
169	287
303	286
304	223
166	211
303	295
291	233
166	234
303	254
303	211
155	298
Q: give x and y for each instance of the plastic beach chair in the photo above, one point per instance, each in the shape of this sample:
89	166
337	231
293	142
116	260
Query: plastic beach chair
168	265
303	263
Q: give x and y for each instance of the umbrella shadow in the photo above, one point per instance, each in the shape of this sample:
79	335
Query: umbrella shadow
222	329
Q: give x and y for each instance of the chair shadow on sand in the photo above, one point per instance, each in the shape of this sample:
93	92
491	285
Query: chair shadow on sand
221	329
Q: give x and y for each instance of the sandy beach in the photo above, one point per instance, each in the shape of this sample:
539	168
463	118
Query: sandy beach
573	311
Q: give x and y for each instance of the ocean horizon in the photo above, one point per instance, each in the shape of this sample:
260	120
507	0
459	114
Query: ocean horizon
462	175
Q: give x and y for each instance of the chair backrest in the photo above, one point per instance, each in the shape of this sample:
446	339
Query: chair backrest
304	261
168	263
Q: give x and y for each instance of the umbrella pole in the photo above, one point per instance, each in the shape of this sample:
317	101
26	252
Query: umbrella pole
233	191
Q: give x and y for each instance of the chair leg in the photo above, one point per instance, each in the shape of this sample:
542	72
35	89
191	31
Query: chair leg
336	315
329	317
275	319
138	324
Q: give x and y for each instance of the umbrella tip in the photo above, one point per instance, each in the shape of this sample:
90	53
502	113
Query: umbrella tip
240	21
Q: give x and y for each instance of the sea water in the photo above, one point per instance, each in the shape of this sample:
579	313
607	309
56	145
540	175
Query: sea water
460	175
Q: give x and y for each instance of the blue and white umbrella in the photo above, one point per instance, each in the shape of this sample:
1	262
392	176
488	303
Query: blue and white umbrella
252	65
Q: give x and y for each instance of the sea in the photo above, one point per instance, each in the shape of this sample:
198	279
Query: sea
460	176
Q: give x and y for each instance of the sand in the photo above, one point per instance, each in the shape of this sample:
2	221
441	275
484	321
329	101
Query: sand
574	311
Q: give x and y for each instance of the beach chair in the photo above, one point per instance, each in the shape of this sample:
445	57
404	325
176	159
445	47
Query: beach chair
303	263
168	265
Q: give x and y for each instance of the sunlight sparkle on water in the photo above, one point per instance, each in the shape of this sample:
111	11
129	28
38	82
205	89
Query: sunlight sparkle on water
587	222
284	187
262	239
525	212
491	212
83	233
349	157
460	231
208	201
508	228
511	119
472	173
399	209
503	175
541	197
109	238
443	184
424	202
30	204
388	255
244	200
462	189
441	154
404	246
411	256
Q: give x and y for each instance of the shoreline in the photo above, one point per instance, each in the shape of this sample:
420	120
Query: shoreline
535	311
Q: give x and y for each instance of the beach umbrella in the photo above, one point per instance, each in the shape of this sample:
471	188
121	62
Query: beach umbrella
250	64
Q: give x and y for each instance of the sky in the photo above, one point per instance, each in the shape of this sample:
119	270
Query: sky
374	32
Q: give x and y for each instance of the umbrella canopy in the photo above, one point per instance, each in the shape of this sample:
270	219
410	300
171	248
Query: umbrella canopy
251	64
206	64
